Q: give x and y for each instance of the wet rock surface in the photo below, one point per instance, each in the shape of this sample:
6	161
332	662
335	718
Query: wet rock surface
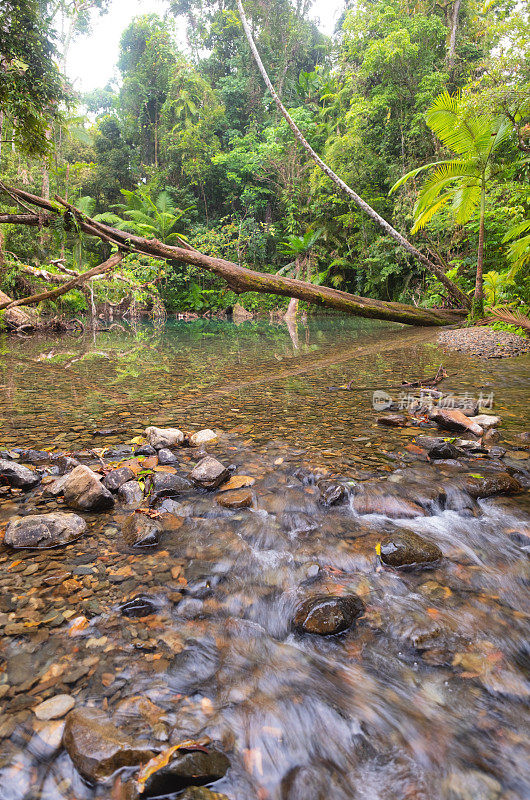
115	479
44	530
83	491
406	549
139	530
209	473
187	766
237	498
326	615
452	419
163	437
332	493
97	748
195	639
18	475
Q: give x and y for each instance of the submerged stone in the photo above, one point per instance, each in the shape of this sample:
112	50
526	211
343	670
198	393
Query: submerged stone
326	615
17	475
187	766
406	549
139	530
97	748
331	493
238	498
201	793
389	500
392	420
54	708
139	607
193	667
44	530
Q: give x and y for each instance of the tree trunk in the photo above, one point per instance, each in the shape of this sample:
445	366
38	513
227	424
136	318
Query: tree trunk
453	290
478	299
7	303
15	317
452	38
240	279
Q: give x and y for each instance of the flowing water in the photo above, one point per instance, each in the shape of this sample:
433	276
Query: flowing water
422	699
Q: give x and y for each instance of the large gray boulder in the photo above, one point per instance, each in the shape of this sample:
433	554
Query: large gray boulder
84	491
17	475
44	530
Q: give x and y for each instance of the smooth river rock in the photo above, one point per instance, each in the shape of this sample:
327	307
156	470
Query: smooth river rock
163	437
117	478
44	530
187	766
139	530
237	498
130	493
452	419
97	748
166	456
54	708
478	486
326	615
17	475
406	549
83	490
209	473
203	437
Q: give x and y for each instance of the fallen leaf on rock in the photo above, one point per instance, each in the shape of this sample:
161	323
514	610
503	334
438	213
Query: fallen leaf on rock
78	625
163	759
237	482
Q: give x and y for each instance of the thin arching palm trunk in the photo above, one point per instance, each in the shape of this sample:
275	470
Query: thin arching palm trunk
453	290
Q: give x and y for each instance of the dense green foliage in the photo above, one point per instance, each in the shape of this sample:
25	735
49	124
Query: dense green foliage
192	142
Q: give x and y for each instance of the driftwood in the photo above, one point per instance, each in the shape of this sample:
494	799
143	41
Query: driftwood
427	382
237	278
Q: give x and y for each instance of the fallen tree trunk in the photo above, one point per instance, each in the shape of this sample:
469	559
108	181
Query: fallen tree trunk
451	287
65	287
15	317
240	279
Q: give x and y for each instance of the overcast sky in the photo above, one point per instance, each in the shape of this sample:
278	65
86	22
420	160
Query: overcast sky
92	61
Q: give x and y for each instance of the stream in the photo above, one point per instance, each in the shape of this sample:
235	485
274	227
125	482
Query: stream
423	697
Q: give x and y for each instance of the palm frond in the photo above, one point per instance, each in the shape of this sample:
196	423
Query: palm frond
429	212
465	201
510	316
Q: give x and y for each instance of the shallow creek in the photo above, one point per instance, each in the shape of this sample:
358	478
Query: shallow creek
422	698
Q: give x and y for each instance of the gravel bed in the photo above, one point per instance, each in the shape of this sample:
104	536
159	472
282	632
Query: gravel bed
484	342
